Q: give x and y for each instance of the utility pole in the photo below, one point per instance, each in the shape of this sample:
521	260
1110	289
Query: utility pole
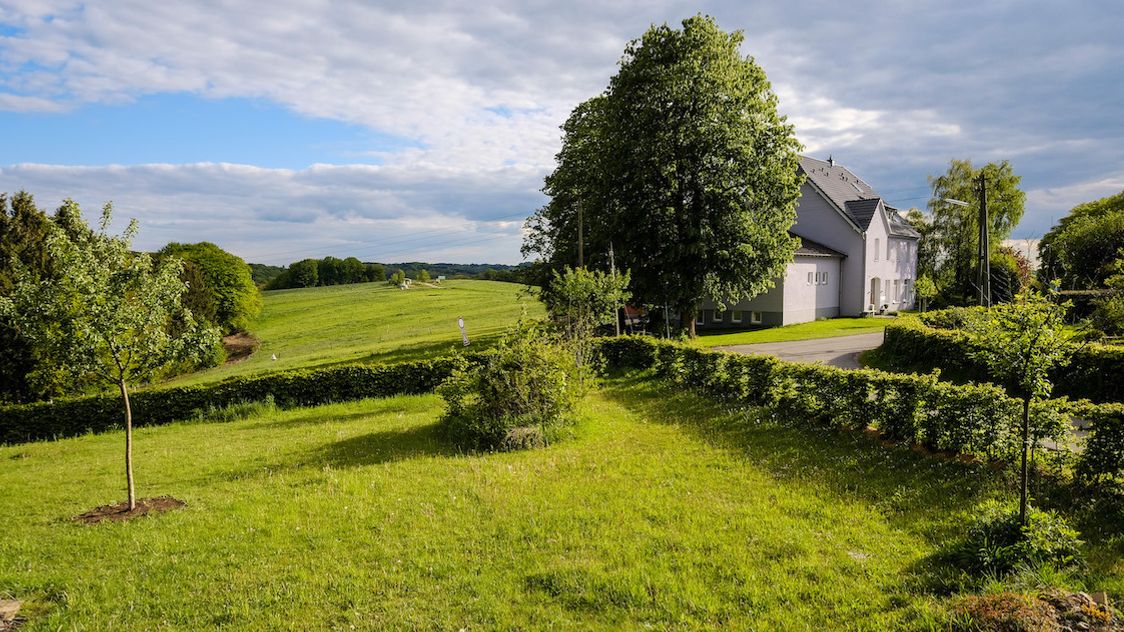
613	273
985	250
581	238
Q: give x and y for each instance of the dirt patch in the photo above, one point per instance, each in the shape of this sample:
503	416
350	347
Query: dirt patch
239	346
120	511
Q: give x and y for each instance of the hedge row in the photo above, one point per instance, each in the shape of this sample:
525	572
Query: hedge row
1095	372
307	387
978	419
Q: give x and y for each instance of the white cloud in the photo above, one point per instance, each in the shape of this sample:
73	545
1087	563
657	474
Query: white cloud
893	89
379	213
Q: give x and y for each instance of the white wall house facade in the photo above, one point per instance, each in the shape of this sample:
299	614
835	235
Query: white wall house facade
857	256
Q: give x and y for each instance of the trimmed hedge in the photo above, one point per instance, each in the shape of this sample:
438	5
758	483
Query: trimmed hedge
979	419
304	387
1095	372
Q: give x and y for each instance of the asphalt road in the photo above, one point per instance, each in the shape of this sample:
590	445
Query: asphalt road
842	351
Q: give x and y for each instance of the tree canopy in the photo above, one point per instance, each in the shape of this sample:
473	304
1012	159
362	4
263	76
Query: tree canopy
683	167
955	229
1082	247
228	280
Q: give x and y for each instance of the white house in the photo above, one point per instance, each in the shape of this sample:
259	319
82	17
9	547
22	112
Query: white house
857	256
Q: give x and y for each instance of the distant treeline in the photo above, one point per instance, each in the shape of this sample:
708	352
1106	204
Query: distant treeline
333	271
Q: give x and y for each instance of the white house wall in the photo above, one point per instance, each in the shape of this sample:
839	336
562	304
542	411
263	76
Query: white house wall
806	301
893	263
818	220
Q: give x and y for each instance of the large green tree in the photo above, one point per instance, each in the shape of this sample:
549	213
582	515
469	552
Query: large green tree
955	229
23	245
236	297
1081	249
106	316
683	167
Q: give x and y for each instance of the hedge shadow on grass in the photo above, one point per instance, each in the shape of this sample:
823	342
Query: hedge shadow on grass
313	416
914	492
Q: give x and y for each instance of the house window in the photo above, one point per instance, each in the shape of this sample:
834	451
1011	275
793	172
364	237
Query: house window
699	318
717	318
898	290
755	318
876	246
735	317
810	275
889	252
825	278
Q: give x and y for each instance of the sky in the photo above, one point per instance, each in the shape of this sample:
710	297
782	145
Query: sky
423	130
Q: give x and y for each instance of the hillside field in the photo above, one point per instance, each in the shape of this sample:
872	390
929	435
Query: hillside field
374	322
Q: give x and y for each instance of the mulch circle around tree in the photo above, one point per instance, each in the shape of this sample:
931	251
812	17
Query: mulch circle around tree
120	511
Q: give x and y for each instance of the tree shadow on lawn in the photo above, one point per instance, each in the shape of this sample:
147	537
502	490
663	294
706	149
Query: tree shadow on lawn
914	492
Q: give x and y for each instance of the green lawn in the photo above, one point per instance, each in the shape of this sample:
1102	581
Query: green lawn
663	510
804	331
374	322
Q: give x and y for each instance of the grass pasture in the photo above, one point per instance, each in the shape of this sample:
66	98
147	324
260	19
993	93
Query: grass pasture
827	328
663	510
373	322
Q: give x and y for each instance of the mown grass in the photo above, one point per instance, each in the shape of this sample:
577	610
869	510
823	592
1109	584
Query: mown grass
827	328
663	510
373	322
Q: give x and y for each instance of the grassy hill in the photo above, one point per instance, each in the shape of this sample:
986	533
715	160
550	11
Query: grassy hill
374	322
665	510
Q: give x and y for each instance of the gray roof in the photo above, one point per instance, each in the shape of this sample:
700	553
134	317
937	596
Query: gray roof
853	197
809	248
899	226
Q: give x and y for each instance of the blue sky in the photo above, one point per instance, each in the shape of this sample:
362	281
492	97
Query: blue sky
423	131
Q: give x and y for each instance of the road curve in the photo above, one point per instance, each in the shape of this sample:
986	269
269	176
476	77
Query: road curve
841	351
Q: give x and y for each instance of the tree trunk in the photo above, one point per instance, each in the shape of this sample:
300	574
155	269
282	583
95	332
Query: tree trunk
1023	479
128	446
687	322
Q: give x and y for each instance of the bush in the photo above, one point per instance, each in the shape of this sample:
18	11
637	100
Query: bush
1094	372
1102	460
996	543
522	387
308	387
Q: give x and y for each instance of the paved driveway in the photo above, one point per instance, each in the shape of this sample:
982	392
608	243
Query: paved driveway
842	351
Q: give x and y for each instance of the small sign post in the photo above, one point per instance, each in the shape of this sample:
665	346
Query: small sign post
464	336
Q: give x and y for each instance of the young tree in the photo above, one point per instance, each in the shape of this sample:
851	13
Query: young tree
423	276
1020	342
683	167
579	301
955	229
926	290
106	316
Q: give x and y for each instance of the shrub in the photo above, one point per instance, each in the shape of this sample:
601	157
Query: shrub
1102	460
996	543
1004	612
1095	371
523	384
